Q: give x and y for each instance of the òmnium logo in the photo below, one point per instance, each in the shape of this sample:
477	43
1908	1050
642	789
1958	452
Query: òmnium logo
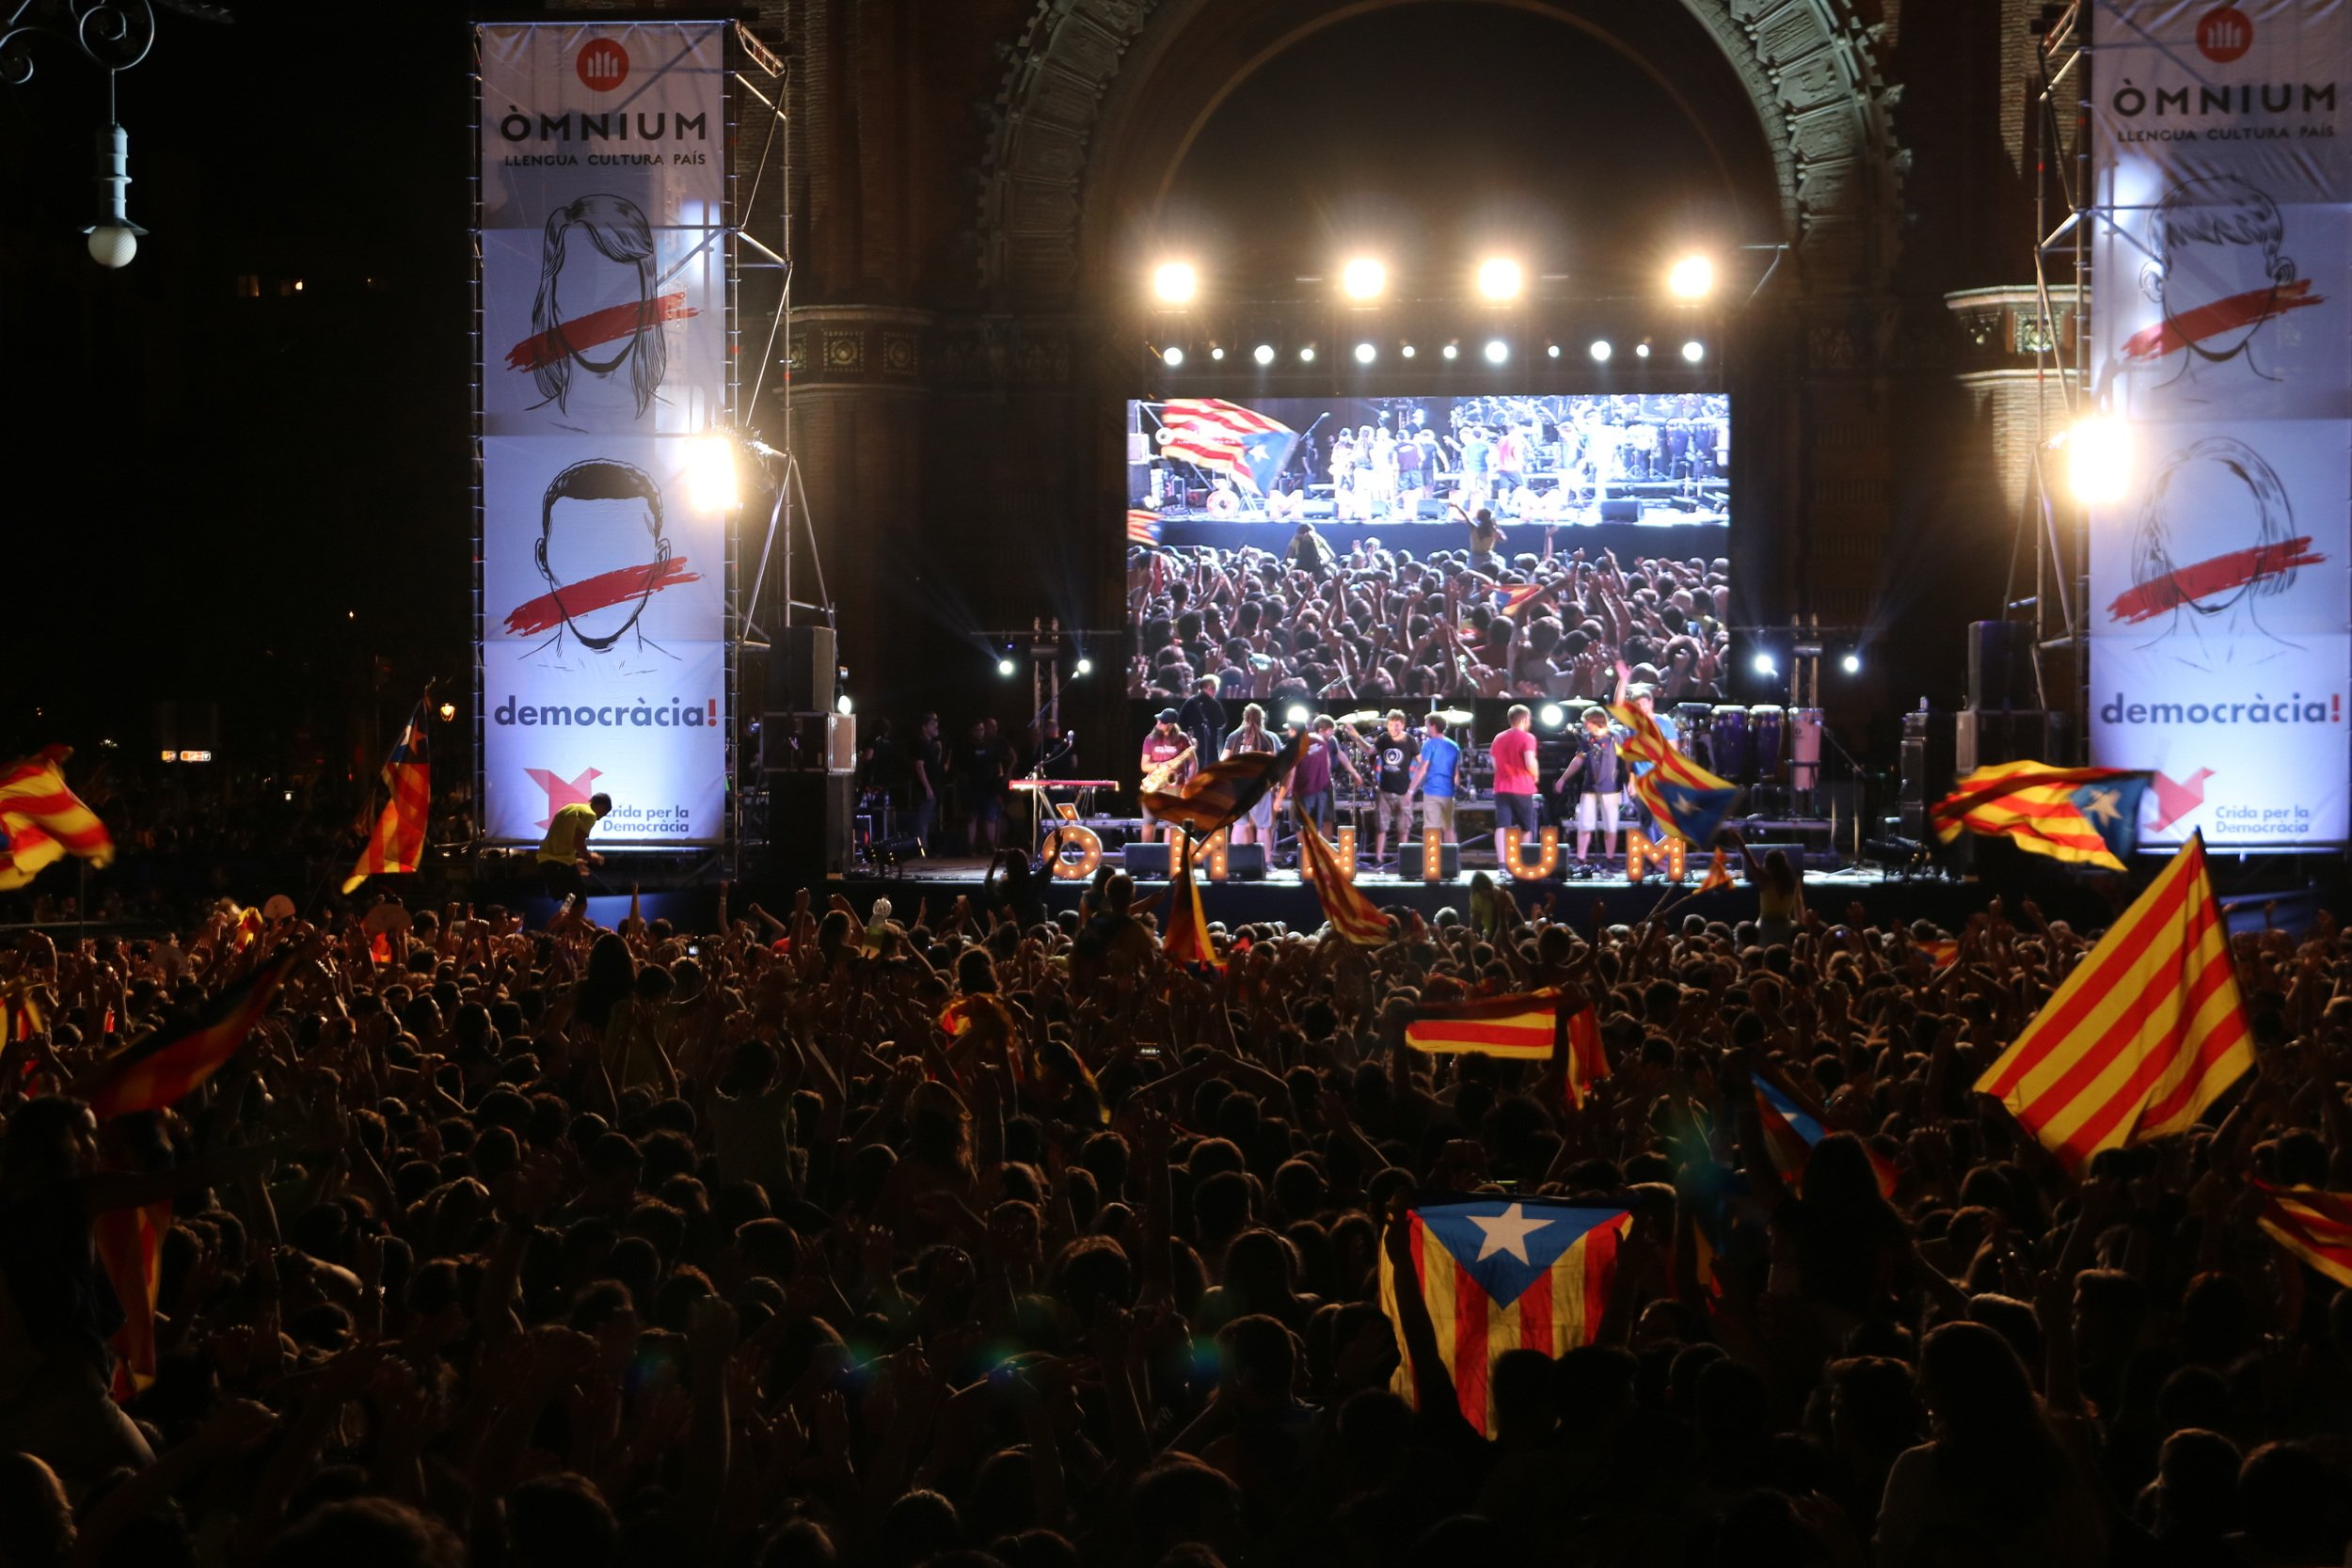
2223	34
604	64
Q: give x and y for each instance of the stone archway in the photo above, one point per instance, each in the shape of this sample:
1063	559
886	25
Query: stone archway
1809	67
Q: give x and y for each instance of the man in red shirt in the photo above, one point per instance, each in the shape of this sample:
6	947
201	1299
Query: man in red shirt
1514	753
1166	744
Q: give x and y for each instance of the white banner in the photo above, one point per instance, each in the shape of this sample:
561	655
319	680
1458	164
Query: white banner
2221	582
654	742
603	294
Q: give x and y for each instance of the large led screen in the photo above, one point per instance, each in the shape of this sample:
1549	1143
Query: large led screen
1346	549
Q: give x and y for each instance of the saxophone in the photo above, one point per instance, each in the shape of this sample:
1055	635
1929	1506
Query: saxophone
1156	781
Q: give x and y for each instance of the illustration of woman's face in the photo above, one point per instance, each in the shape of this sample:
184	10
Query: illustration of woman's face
2198	272
2209	511
592	539
590	281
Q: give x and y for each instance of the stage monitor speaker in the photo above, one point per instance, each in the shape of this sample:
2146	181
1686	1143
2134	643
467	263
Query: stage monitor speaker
2014	735
1146	860
2000	665
1621	511
810	820
1409	862
801	668
1243	862
1430	510
1926	767
1795	852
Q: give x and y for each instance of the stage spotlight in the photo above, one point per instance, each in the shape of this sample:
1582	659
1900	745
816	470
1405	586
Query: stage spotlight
1083	667
1453	350
843	705
1263	354
1366	353
1005	667
1364	277
1851	664
1601	351
1693	350
1171	356
710	473
1692	278
1307	354
1500	277
1496	351
2098	460
1640	351
1406	350
1297	714
1216	354
1552	716
1175	282
1764	664
1552	350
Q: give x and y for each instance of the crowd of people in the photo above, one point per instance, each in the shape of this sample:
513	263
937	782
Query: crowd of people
1494	618
983	1237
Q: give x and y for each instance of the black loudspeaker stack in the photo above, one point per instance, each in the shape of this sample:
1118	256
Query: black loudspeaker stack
1928	766
1982	738
800	671
2001	666
810	753
810	819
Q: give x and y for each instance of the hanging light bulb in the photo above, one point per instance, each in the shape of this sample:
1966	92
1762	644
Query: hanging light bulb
114	239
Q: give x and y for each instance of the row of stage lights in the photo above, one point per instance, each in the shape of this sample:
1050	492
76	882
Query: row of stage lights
1496	351
1176	282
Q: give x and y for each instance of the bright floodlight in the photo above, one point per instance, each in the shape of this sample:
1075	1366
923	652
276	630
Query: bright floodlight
1363	278
1263	354
1171	356
1552	716
1692	278
1005	667
1366	353
1500	277
1175	282
1083	667
1307	354
1406	350
1452	350
1764	665
1552	349
2098	461
1640	351
1851	664
1297	714
1216	354
1496	351
843	705
710	473
1693	350
1601	351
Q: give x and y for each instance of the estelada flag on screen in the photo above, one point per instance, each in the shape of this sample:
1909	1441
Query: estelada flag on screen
2147	1031
1143	527
398	842
1249	447
2086	815
1223	793
1521	1027
2314	1225
150	1073
1354	916
1793	1123
43	821
1500	1274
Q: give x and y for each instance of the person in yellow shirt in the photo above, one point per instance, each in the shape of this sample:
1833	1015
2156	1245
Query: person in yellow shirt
565	850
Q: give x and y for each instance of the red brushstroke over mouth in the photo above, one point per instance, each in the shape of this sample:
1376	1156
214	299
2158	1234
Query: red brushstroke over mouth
597	326
595	593
2207	577
2222	315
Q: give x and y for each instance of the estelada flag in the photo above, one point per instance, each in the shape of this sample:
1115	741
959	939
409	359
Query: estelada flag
43	821
1354	916
1587	1062
2314	1225
1500	1274
1522	1027
1143	527
2147	1031
2087	816
1186	939
1685	798
398	842
150	1073
1718	874
1793	1123
1223	793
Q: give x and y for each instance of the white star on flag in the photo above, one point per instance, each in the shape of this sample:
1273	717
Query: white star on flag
1507	1232
2102	805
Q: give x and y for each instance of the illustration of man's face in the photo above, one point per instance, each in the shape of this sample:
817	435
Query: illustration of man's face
601	550
2198	272
590	281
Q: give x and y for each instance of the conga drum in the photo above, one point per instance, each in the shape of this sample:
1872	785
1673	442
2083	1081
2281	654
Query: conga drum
1767	734
1693	719
1804	749
1727	743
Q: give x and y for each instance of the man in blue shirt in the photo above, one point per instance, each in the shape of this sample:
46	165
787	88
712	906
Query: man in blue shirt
1433	776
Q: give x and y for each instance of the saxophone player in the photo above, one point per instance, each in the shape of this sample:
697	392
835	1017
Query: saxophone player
1168	762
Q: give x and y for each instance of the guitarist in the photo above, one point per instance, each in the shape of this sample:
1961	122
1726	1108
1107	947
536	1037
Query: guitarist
1168	762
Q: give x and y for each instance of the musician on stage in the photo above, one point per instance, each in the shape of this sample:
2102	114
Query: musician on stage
1396	751
1319	754
1169	756
1256	828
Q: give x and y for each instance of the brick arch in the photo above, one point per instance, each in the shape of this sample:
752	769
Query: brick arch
1061	127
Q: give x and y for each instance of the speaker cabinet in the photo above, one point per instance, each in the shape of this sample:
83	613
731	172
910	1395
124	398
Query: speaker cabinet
811	818
1146	860
1926	767
1243	862
801	668
1621	511
1409	860
2001	666
1982	740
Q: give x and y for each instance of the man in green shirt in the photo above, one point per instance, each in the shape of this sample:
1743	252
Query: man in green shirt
565	848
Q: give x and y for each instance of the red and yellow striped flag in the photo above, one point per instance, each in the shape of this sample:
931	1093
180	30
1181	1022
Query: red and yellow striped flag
129	1247
43	821
153	1073
1718	874
398	842
1521	1027
1354	916
1501	1274
1223	793
1588	1062
2145	1033
2042	809
1186	939
2314	1225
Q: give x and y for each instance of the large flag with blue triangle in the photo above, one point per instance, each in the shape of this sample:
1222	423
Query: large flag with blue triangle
1501	1274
